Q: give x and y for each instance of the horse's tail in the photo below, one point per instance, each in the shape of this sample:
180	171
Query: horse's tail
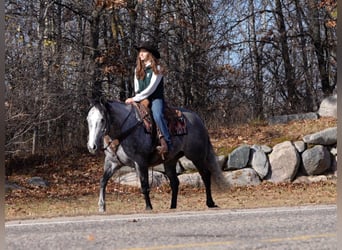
218	180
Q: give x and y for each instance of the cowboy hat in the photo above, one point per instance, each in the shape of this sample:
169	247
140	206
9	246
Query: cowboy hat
150	48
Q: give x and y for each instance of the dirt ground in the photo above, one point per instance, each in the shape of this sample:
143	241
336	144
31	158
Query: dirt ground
74	181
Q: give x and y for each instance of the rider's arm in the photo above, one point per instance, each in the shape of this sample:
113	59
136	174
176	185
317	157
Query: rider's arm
155	80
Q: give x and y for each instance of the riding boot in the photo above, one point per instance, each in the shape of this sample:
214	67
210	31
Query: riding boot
163	148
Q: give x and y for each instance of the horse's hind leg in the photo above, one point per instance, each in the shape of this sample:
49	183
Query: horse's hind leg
109	169
170	170
206	177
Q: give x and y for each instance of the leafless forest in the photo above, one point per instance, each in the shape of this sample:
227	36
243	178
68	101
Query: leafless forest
232	61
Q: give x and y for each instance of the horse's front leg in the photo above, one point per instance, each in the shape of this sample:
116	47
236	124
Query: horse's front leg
145	187
170	170
110	168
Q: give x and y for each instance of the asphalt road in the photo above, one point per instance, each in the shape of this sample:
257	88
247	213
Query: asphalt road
305	227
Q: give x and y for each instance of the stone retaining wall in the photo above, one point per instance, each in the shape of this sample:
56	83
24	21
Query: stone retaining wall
312	159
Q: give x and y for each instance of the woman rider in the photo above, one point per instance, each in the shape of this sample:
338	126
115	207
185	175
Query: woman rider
149	84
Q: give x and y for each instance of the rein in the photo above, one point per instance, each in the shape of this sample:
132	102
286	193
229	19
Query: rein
124	134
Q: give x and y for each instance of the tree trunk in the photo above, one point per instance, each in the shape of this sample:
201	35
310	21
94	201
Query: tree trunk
319	49
309	100
256	64
94	30
292	98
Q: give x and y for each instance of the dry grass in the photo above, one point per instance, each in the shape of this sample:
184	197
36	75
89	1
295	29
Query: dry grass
74	181
190	199
226	139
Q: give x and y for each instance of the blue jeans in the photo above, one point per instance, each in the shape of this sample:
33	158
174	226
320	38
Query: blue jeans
158	116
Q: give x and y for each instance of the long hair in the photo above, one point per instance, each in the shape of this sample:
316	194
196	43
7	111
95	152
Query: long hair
140	68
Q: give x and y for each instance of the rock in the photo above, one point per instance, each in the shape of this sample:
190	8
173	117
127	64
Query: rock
156	179
328	106
222	160
259	161
287	118
242	177
300	146
333	151
159	168
317	178
325	137
38	181
334	165
266	149
11	186
284	162
125	169
238	159
193	180
316	160
302	179
187	164
179	168
310	179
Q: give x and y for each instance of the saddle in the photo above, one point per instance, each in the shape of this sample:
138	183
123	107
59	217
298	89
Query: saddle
174	118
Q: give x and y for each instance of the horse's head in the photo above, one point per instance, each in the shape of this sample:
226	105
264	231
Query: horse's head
97	127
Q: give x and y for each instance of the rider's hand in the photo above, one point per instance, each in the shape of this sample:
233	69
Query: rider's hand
129	101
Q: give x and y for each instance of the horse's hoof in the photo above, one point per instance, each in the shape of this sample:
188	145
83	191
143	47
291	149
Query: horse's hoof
148	208
102	209
211	205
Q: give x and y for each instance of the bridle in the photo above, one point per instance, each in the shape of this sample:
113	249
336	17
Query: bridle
122	136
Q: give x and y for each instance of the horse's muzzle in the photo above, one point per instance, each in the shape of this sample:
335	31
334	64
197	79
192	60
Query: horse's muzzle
92	149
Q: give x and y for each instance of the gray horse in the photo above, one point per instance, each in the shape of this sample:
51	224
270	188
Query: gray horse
136	148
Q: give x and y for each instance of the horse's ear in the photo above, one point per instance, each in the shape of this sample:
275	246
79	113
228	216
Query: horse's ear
103	100
91	101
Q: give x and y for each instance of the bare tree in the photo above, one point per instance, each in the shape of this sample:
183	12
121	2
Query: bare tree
227	64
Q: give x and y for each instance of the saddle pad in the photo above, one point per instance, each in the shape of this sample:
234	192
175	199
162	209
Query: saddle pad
176	121
174	118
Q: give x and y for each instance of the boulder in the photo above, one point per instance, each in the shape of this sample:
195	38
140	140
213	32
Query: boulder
316	160
9	186
179	168
310	179
325	137
184	164
333	151
187	164
38	181
328	107
125	169
334	165
259	161
238	158
193	180
242	177
284	162
287	118
266	149
300	146
222	161
156	179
